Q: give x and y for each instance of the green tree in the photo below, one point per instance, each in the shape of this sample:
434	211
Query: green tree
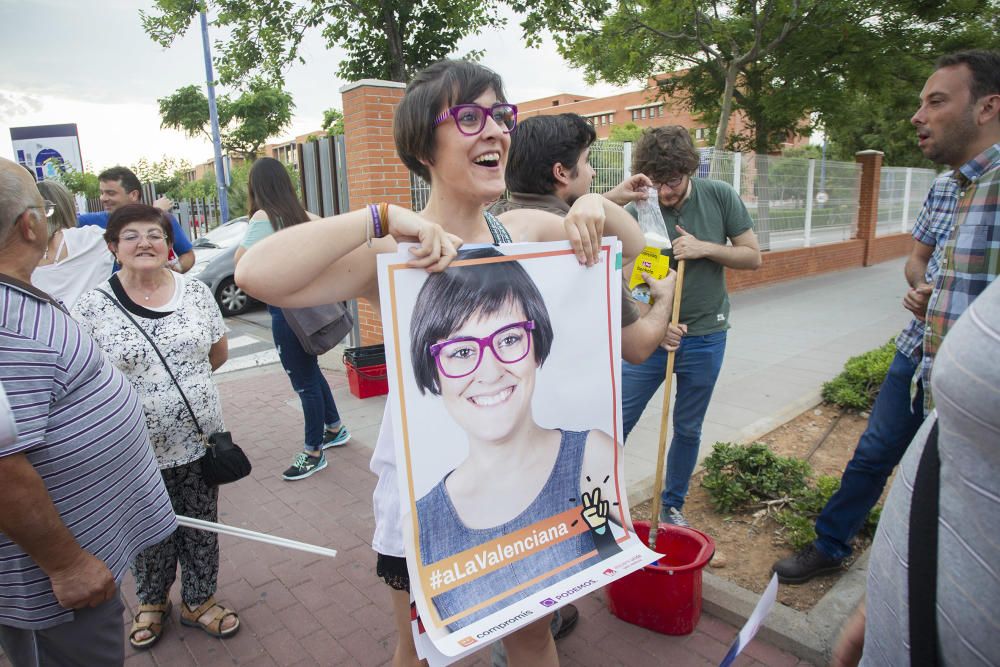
629	132
166	174
333	122
245	122
775	62
383	39
875	112
79	182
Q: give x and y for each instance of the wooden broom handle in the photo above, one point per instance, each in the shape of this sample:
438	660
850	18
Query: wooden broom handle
661	455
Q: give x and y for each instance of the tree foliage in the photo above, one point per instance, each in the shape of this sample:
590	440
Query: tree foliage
333	122
79	182
629	132
166	174
383	39
875	114
781	61
245	122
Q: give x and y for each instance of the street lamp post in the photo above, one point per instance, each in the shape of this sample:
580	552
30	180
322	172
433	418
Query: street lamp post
213	112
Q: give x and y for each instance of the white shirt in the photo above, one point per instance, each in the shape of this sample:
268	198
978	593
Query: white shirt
87	264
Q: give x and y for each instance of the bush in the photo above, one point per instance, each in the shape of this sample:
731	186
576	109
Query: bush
738	476
858	384
799	519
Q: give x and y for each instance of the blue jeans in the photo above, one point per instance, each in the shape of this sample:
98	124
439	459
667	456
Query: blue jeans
307	380
696	368
894	421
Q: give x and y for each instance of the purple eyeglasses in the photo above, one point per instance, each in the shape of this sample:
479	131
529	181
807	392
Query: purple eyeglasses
459	357
471	118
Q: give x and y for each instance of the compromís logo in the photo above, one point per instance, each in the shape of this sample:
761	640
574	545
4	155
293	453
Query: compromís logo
467	641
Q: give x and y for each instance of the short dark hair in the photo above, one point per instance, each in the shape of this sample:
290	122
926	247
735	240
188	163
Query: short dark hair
269	187
448	299
664	152
124	215
123	175
445	83
985	68
538	144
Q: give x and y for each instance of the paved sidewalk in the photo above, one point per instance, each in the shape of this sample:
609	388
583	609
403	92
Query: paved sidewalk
299	609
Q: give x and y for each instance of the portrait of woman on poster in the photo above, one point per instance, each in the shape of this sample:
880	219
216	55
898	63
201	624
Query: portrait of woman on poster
479	335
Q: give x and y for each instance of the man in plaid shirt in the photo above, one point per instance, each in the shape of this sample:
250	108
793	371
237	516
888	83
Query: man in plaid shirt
956	253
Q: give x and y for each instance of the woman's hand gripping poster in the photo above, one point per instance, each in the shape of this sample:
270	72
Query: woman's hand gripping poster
505	393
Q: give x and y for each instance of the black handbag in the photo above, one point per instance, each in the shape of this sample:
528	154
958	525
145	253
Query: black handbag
224	461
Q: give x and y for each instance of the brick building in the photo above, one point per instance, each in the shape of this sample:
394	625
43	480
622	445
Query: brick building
643	107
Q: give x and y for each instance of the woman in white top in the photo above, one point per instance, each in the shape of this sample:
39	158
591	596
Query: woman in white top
182	318
452	128
76	258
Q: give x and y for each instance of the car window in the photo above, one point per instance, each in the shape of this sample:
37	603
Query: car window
228	235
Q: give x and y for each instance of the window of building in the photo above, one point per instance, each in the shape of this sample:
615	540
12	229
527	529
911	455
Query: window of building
660	111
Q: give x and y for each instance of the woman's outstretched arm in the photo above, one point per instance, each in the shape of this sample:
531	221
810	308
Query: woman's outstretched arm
329	259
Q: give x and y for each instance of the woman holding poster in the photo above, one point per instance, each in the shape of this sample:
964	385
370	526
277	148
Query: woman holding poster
479	334
452	128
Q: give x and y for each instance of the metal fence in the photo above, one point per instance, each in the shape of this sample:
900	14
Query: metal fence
799	202
901	193
794	202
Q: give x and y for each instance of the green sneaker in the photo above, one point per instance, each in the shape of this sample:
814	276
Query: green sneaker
303	466
336	438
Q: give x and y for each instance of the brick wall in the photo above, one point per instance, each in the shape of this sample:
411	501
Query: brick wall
798	263
374	171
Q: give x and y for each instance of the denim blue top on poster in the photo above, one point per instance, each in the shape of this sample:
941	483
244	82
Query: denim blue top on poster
443	534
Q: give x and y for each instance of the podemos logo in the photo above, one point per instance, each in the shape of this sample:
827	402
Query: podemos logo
550	602
468	641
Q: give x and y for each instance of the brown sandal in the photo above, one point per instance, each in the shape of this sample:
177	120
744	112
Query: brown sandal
155	628
190	618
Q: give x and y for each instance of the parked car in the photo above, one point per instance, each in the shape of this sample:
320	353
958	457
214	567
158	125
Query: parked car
214	266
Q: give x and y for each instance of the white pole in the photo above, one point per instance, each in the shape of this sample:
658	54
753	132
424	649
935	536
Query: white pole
737	168
906	200
807	229
627	159
253	535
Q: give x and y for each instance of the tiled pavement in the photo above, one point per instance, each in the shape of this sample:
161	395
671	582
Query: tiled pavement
299	609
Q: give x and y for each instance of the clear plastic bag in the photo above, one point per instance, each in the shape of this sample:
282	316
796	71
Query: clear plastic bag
651	221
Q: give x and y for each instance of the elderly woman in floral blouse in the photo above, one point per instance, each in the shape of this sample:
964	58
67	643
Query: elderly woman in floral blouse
181	316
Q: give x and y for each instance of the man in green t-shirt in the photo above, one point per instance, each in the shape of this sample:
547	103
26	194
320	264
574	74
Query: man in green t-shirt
710	229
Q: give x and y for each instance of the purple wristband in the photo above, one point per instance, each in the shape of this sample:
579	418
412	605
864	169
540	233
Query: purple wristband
376	221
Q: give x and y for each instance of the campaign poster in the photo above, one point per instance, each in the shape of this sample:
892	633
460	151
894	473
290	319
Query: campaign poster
505	398
44	149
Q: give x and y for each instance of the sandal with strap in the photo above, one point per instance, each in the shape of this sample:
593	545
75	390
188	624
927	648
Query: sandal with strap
155	628
192	618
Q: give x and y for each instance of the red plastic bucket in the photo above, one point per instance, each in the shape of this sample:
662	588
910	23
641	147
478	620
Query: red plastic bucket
665	596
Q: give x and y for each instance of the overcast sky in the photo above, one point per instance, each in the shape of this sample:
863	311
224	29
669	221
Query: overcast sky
89	62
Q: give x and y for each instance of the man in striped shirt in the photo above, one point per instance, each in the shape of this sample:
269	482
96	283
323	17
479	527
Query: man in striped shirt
80	491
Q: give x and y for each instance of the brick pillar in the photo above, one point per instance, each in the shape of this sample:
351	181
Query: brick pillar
374	172
871	176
